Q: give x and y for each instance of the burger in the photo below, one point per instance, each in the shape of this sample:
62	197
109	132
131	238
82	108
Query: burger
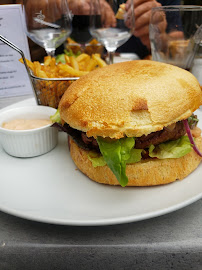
133	123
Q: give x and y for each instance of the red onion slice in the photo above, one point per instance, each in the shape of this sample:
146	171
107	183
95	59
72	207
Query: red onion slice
186	125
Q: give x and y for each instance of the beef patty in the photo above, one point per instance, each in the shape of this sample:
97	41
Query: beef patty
172	132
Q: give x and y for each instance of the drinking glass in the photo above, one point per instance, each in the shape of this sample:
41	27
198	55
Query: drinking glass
48	22
80	12
176	34
108	28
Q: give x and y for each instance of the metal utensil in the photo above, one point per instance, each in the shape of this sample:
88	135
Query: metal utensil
13	46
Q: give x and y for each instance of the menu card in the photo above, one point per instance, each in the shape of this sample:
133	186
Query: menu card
14	80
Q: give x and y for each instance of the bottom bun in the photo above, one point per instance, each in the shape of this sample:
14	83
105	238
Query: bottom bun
149	172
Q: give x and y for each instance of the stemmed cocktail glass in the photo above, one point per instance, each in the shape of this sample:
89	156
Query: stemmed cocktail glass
110	24
48	22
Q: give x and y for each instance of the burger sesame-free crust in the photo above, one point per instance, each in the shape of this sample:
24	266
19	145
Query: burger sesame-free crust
130	99
148	172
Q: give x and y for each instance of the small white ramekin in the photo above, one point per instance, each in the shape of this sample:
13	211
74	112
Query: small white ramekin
32	142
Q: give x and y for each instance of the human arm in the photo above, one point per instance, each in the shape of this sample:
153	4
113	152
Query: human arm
82	7
142	11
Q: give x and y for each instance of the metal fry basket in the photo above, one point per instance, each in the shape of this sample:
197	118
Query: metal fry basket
47	91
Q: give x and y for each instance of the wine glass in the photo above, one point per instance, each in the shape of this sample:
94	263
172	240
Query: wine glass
48	22
176	34
110	24
80	11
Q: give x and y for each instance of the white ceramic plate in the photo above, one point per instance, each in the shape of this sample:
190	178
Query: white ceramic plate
50	189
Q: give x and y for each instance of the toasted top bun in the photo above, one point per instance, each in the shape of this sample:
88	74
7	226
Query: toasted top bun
130	99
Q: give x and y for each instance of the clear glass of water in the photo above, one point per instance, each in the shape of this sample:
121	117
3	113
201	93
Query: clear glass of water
110	24
48	22
176	34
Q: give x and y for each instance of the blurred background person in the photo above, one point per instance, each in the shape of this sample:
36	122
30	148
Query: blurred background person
139	43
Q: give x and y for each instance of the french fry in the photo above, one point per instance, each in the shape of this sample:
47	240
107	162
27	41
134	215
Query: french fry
71	41
93	42
91	65
29	63
90	48
74	67
99	60
74	62
69	71
121	12
49	92
52	63
47	60
67	59
82	57
40	73
37	67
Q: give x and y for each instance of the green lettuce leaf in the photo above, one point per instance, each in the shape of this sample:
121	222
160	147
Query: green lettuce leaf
56	117
98	160
60	58
171	149
69	52
135	156
116	153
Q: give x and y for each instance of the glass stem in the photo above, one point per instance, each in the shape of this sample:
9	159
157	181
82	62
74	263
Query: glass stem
111	57
50	52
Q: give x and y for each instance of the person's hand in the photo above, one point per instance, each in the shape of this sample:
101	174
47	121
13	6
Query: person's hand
82	7
108	16
79	7
142	11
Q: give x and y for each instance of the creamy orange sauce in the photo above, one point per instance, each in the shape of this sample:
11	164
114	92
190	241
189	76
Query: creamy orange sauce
24	124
